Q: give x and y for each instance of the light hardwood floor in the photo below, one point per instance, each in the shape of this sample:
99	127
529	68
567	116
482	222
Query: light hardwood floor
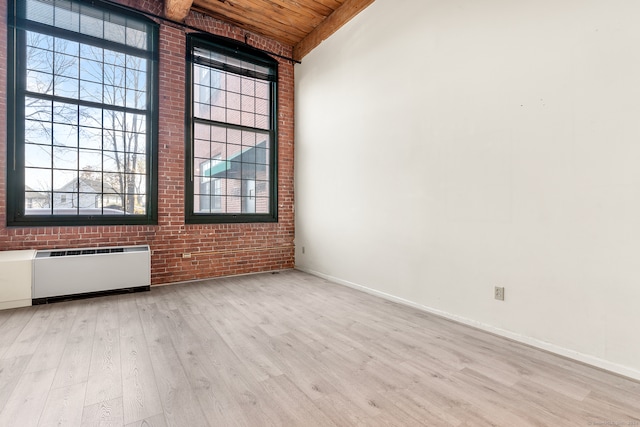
285	349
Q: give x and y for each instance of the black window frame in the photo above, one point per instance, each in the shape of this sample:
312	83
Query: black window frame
17	92
242	52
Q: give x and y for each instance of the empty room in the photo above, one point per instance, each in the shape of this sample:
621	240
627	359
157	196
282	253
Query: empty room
319	213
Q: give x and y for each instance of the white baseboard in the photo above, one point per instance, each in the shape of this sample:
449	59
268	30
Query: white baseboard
543	345
6	305
157	285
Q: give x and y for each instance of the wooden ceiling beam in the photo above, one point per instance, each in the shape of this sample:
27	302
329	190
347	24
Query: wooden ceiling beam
337	19
177	10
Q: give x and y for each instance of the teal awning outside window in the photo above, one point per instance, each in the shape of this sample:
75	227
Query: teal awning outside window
230	168
219	169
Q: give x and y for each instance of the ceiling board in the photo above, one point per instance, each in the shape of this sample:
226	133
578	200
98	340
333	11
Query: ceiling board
302	24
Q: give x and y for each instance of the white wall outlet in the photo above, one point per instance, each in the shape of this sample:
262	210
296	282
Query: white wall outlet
498	293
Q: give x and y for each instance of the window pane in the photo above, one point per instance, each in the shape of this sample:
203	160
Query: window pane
37	109
67	19
262	106
66	201
38	179
113	140
249	138
65	135
91	117
114	75
248	171
262	122
65	113
113	161
218	79
66	87
233	117
135	142
136	38
90	138
248	104
87	200
202	149
218	98
67	65
262	205
37	200
37	156
68	47
135	122
202	131
248	86
65	180
91	92
91	26
39	82
233	100
92	52
220	134
113	203
248	119
201	75
40	11
262	155
113	120
112	57
39	60
89	161
262	173
234	204
233	83
65	158
92	71
114	32
262	90
262	188
37	132
41	41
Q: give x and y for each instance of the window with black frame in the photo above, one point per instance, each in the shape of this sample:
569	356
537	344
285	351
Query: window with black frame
231	146
84	117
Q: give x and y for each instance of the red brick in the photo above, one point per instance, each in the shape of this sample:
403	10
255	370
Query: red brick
171	237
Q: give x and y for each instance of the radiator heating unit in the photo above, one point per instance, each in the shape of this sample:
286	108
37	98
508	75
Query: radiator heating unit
60	274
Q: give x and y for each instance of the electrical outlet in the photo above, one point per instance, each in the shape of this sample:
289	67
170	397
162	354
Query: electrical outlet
498	293
186	255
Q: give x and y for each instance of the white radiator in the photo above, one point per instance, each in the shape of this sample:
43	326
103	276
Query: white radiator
73	272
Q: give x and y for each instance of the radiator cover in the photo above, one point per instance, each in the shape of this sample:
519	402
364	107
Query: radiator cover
74	272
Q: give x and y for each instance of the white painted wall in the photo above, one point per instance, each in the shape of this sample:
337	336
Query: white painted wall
447	146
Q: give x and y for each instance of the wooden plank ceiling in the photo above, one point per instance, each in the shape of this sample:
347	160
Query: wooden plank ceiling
303	24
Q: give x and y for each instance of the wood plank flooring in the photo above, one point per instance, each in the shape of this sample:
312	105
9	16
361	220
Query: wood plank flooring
285	349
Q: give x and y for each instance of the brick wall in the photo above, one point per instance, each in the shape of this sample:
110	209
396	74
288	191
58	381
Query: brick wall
217	250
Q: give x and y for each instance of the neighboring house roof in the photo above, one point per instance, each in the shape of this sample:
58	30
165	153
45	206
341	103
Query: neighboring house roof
38	194
86	184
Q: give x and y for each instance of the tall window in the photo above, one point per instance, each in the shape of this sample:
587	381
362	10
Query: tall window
231	158
83	117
